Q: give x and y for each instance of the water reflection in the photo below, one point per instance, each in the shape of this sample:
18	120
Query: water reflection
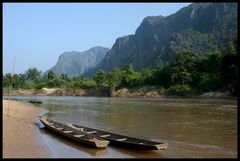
191	127
52	137
140	153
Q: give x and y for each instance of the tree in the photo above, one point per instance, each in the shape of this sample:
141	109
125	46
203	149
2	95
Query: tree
7	80
213	62
182	68
146	76
128	74
15	81
54	83
114	78
32	74
65	77
86	83
99	77
130	78
229	66
51	75
22	80
162	76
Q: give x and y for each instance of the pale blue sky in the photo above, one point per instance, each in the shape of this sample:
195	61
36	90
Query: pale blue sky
38	33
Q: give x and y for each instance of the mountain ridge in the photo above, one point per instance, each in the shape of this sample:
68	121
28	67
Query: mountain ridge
199	27
75	63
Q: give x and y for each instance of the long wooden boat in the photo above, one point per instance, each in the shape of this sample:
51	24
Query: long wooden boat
121	140
76	135
35	101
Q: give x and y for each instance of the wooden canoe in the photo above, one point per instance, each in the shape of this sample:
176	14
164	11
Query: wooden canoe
122	140
33	101
76	135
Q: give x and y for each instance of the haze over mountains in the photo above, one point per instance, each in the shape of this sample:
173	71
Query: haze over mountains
75	63
199	27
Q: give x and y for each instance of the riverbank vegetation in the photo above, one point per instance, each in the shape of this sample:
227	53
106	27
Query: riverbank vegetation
188	74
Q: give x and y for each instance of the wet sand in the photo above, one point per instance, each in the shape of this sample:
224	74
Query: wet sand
21	137
195	128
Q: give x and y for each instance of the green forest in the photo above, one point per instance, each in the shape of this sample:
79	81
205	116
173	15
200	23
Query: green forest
188	74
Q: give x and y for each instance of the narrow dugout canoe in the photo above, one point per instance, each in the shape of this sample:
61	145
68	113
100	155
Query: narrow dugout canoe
121	140
76	135
33	101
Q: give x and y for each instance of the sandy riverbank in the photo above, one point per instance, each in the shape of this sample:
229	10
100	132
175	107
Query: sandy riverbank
21	137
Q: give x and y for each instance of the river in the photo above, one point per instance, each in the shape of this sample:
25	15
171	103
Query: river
193	128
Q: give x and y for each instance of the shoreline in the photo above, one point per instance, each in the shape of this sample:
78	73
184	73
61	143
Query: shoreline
122	93
21	137
60	148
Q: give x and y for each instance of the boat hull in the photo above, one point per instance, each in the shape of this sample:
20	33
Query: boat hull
121	140
92	142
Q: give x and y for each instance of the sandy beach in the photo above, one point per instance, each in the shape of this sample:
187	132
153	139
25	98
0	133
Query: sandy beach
21	137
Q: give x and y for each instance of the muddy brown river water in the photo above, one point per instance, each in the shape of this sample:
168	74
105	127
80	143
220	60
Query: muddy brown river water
193	128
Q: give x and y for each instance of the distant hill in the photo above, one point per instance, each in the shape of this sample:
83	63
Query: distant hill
74	63
199	27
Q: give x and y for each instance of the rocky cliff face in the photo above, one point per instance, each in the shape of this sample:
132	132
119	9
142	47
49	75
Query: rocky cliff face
75	63
199	27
